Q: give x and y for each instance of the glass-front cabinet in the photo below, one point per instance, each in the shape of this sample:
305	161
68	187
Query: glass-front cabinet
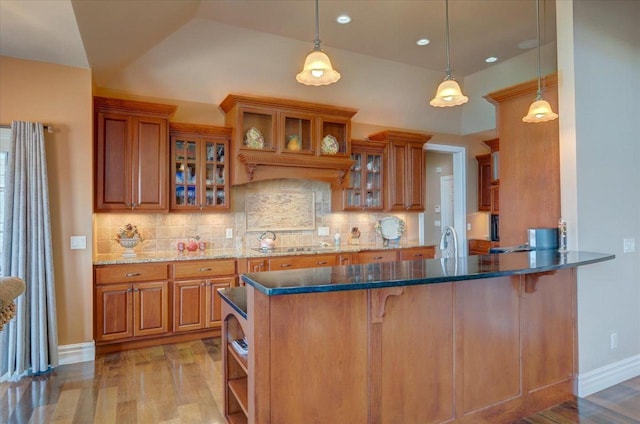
365	183
280	138
200	171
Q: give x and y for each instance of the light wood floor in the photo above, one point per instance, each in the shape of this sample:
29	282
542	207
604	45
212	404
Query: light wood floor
181	383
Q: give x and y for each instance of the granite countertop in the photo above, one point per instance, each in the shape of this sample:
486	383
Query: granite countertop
117	258
425	271
236	297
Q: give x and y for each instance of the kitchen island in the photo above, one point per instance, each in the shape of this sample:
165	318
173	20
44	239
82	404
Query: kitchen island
487	338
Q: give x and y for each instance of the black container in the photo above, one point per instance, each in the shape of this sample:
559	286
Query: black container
494	228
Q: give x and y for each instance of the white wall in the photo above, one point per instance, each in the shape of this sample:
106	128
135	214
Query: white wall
599	68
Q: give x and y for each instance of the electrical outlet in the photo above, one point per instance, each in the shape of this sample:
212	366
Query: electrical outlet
436	223
229	233
78	242
614	341
323	231
629	245
468	226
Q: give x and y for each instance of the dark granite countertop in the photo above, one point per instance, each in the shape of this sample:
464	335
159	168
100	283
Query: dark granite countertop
237	298
425	271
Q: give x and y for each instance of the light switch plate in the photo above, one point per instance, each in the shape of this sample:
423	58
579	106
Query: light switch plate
629	245
78	242
323	231
229	233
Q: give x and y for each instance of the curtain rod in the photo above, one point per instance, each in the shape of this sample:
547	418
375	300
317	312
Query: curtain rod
47	127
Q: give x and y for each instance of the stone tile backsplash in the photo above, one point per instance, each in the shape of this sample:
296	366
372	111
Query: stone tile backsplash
162	232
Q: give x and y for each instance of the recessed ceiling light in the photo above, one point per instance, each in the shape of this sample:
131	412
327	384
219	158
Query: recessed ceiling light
423	42
491	59
528	44
343	19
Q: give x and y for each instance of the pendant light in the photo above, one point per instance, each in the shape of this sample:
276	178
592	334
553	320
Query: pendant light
317	67
449	92
540	110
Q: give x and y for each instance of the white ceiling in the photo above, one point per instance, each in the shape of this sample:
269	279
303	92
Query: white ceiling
107	35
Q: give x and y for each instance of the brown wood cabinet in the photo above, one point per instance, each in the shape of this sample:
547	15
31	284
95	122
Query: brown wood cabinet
131	301
195	303
279	138
365	184
200	167
131	155
405	174
279	263
484	182
529	162
414	253
481	247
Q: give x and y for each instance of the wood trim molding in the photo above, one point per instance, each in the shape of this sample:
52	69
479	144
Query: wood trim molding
180	127
503	95
390	135
103	104
271	102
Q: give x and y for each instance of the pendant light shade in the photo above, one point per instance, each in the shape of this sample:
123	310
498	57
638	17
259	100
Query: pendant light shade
449	92
317	66
540	110
318	70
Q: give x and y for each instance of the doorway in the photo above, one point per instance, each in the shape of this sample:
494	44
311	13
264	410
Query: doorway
459	208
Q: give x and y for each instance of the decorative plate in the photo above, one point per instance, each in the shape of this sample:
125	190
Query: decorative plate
254	139
330	145
390	227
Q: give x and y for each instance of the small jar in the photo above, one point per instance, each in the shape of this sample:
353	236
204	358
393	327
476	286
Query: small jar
181	246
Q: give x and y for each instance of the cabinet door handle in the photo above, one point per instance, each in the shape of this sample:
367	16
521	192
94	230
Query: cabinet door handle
206	269
132	274
285	265
129	290
136	290
377	257
321	263
418	255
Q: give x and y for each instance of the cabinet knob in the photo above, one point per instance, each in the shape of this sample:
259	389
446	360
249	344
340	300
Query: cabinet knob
136	290
129	290
132	274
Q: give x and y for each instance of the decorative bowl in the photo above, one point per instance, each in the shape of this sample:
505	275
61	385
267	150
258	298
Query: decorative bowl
129	244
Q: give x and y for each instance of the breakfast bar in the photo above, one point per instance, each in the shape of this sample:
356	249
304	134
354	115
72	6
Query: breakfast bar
486	338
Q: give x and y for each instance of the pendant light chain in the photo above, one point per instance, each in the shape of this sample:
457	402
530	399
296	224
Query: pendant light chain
448	70
539	95
316	45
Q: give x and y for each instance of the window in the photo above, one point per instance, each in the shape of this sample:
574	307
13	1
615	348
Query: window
5	134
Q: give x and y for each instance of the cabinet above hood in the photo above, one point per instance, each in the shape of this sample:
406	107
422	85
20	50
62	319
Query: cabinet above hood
279	138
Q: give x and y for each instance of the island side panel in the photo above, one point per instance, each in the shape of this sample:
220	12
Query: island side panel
550	337
259	340
319	367
488	357
416	360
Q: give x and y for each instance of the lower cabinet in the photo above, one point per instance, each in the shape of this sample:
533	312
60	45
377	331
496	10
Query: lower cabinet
127	306
279	263
195	303
146	303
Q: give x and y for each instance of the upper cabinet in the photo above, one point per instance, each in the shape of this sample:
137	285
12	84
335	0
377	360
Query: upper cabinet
405	157
276	138
199	167
484	182
365	185
131	155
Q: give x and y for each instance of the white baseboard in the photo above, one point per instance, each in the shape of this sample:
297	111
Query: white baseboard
79	352
607	376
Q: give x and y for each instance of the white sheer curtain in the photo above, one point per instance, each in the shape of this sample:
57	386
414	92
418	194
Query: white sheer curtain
29	344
